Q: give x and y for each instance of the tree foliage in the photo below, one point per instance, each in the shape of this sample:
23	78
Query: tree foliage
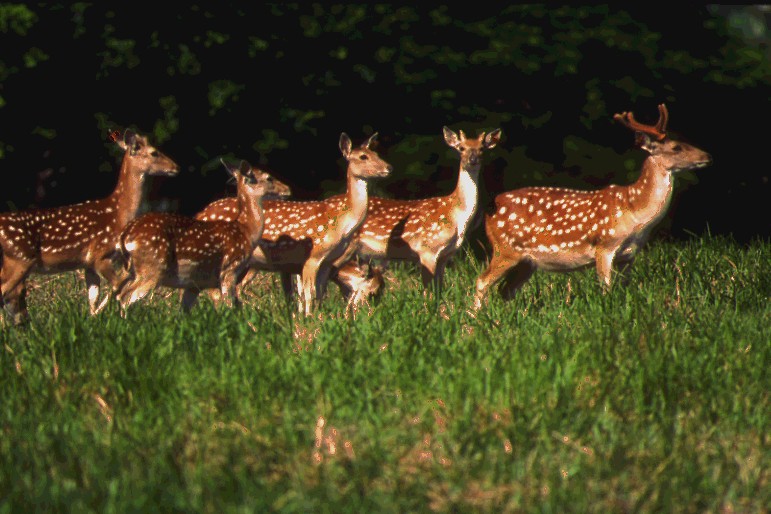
276	84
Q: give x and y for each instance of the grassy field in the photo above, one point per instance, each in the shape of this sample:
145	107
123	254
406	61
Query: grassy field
652	398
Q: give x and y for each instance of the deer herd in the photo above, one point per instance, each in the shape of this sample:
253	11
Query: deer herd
347	239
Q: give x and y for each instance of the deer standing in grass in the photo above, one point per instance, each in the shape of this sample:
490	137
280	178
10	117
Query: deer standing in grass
559	229
80	236
166	249
428	231
307	237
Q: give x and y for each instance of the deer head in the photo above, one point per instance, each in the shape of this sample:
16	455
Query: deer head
255	183
471	150
676	155
368	163
146	158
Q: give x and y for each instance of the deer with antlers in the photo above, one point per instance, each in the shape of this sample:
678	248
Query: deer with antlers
427	231
171	250
559	229
79	236
307	237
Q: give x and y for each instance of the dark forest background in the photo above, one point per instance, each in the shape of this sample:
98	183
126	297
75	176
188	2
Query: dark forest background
277	84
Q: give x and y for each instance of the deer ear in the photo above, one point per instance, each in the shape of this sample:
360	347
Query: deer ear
645	142
129	140
371	140
345	145
450	137
232	170
121	143
492	138
244	167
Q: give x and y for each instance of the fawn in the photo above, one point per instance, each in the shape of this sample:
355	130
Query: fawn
80	236
307	237
166	249
560	229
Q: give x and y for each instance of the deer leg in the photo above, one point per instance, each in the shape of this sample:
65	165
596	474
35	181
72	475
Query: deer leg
344	277
228	285
604	260
16	303
497	268
623	262
105	268
515	278
92	283
353	299
245	277
114	271
427	274
289	287
347	255
215	296
286	285
13	288
13	273
146	269
250	275
373	285
428	265
310	273
189	297
136	289
430	268
441	265
322	279
126	275
21	315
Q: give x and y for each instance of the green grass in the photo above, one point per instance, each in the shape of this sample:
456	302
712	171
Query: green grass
651	398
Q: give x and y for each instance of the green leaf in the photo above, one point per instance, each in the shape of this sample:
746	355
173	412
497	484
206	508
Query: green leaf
221	92
16	18
34	56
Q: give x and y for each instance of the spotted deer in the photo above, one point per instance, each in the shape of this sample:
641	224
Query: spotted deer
171	250
79	236
428	231
307	237
559	229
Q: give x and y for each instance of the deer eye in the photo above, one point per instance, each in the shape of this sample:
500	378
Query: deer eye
154	153
363	157
677	148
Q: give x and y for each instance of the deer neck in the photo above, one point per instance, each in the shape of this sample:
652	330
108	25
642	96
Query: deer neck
126	199
356	199
251	219
464	199
650	196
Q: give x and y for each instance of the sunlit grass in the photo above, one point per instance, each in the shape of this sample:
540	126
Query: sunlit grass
651	398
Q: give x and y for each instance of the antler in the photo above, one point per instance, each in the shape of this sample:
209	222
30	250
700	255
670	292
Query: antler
657	131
